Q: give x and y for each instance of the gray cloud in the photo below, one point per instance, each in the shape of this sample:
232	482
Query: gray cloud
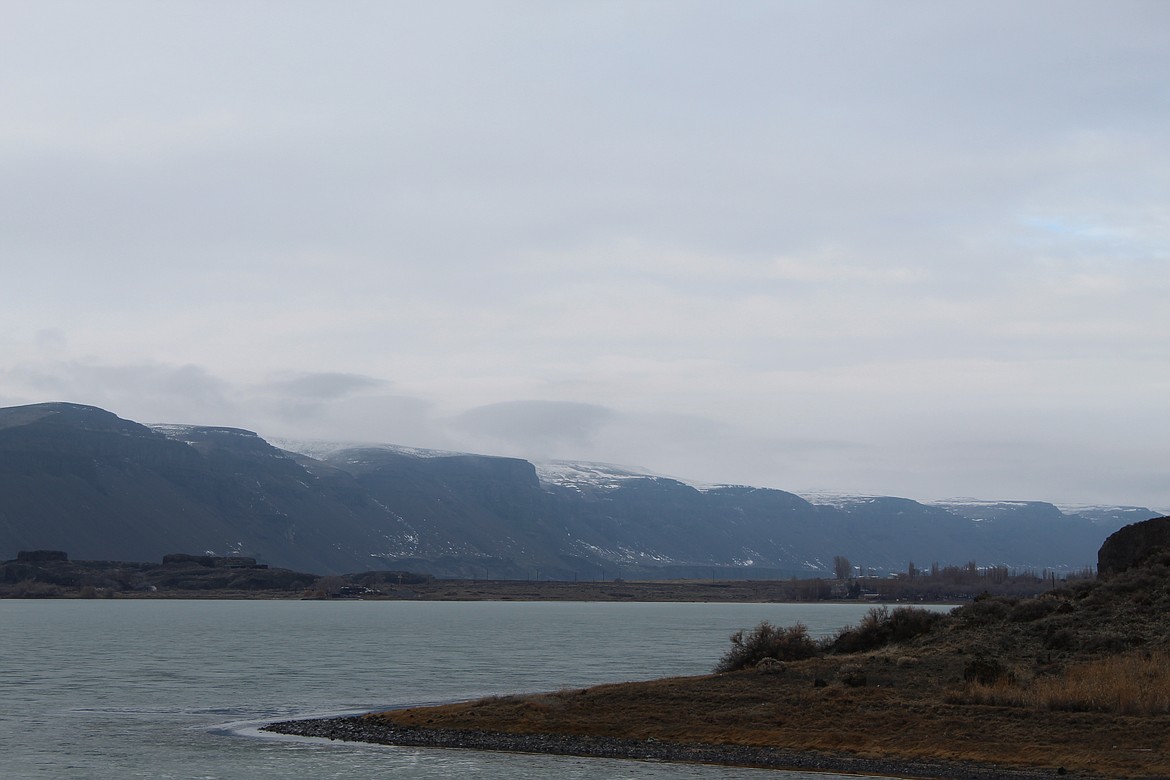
150	392
323	386
373	418
546	429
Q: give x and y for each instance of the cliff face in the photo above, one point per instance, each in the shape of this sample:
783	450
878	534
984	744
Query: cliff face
79	479
1132	545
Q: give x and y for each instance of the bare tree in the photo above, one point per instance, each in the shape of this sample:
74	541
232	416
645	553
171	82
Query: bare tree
842	568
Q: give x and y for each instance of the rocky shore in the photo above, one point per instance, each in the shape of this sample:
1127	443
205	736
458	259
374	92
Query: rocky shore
370	730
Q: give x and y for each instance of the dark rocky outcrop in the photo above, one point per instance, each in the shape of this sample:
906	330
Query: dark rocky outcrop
60	577
214	561
1132	545
40	556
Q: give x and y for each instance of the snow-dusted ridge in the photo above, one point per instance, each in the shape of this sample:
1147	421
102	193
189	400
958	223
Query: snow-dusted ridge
326	449
831	498
173	431
578	474
583	473
1073	509
184	432
607	476
977	502
1068	509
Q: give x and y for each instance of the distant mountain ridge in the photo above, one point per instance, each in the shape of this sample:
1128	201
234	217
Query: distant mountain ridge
81	479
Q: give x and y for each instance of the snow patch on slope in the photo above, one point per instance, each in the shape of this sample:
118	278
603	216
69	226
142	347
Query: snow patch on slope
172	431
321	450
975	502
185	433
578	474
838	500
1076	509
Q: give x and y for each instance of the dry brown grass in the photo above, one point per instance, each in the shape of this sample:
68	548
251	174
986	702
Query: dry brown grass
903	712
1130	684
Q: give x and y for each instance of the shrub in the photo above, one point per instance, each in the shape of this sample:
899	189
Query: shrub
1107	643
1060	639
881	627
853	675
791	643
770	666
983	670
1028	610
985	610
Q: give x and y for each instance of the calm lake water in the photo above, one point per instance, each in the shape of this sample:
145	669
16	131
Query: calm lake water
176	689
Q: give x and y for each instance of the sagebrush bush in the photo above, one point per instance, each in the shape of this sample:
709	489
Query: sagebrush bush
853	675
988	671
1028	610
790	643
985	610
881	627
1059	638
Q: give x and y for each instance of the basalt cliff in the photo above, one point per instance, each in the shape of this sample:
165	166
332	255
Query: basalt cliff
83	480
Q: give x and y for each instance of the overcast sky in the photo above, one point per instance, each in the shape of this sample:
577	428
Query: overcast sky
908	248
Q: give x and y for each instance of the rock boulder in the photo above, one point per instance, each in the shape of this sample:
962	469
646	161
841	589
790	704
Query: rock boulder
1132	545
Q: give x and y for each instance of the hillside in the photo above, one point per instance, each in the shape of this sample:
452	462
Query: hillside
80	479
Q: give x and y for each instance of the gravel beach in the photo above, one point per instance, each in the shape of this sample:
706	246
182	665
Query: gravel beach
362	729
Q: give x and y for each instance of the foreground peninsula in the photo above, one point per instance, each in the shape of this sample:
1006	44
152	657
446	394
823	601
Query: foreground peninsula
1074	682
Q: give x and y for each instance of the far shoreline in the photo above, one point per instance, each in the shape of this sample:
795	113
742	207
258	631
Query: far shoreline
52	574
637	591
